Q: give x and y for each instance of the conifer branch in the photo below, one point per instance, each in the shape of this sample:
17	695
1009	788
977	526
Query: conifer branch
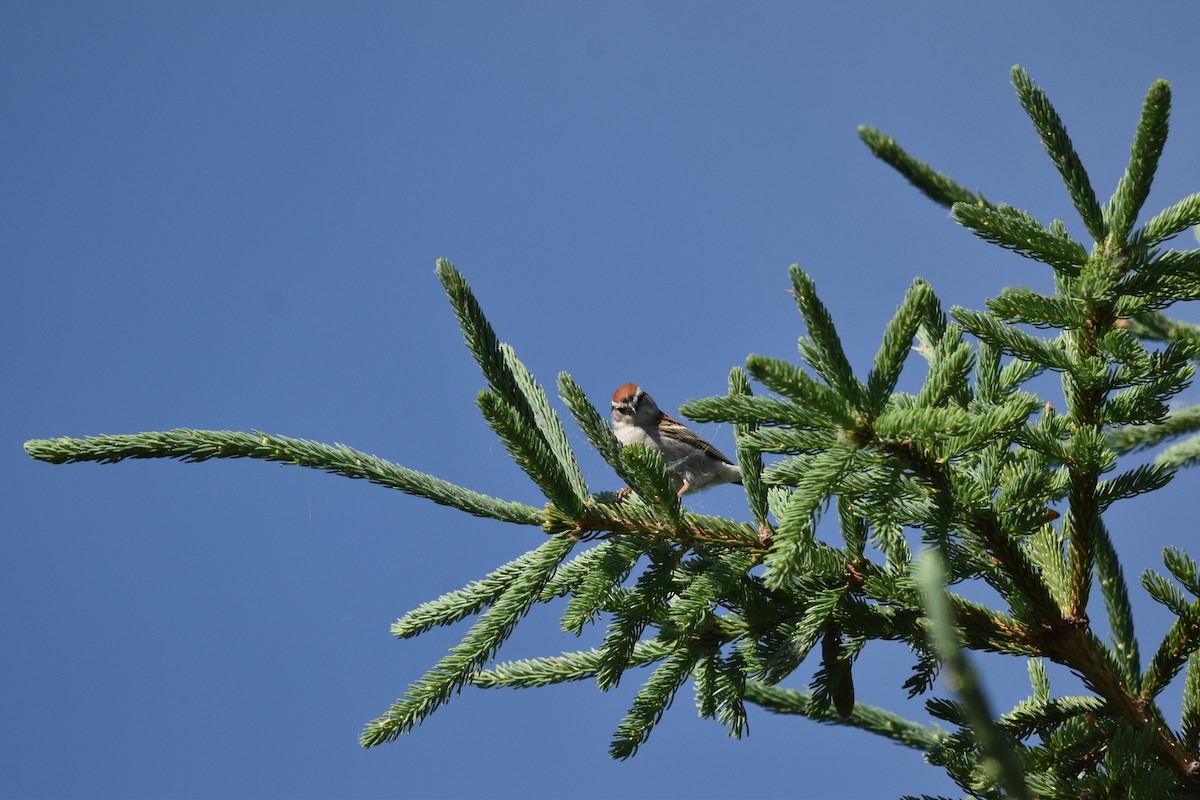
638	609
789	440
1183	639
1082	532
1116	601
1190	714
1147	147
822	349
1031	308
571	575
923	425
461	603
194	446
1019	232
510	380
869	718
568	667
822	605
897	342
1139	480
1017	372
794	549
480	644
950	363
1165	592
1039	680
963	679
529	451
1171	277
749	455
984	525
1013	341
598	589
1171	221
1183	568
1058	145
651	703
1157	326
1036	717
934	185
1101	672
548	424
1180	643
691	609
793	383
749	410
638	519
1183	454
727	696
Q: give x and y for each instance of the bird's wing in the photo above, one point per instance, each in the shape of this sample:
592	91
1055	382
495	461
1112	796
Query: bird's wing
684	433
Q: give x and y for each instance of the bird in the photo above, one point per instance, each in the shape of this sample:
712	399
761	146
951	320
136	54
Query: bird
693	464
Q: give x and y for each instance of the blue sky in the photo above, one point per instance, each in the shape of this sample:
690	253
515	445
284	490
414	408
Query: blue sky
226	215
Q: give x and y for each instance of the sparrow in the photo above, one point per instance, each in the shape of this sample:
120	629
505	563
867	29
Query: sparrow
693	463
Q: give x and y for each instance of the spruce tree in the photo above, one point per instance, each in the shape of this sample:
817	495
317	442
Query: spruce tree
995	484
